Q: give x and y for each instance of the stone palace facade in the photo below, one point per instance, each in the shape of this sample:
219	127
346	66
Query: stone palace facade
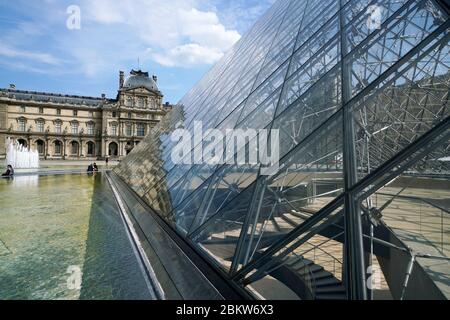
65	127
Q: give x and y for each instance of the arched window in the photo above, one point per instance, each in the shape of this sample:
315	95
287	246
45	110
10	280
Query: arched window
74	147
113	149
58	147
23	142
90	149
40	145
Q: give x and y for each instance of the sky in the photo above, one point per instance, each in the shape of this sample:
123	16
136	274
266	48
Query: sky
78	46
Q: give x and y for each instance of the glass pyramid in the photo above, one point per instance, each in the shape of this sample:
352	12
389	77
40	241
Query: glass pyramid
359	92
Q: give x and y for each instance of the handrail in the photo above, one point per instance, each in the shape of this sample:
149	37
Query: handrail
415	198
311	284
438	244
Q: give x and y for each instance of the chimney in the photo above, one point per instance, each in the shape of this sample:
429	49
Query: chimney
155	78
121	79
12	86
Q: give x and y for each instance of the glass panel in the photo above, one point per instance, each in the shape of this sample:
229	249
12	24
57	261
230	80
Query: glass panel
309	267
311	177
403	108
309	111
281	235
219	237
414	204
392	43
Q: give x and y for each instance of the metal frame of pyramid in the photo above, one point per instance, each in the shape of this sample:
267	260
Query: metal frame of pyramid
357	108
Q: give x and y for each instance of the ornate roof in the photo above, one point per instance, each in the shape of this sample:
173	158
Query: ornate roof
33	96
139	79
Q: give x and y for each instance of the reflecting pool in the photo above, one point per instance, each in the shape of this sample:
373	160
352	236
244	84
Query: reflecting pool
62	237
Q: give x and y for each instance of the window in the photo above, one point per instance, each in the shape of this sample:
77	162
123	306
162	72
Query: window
114	114
40	126
58	148
90	128
75	113
74	128
114	130
129	102
141	103
141	130
91	148
40	147
129	115
41	110
23	109
113	149
58	126
74	148
58	112
21	124
129	130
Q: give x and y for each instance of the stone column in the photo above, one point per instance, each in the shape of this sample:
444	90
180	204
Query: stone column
81	153
65	149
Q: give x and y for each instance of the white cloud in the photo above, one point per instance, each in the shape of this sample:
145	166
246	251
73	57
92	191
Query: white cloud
174	29
205	29
34	56
104	12
187	55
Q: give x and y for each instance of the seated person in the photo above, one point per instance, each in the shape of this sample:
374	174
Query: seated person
95	167
90	169
9	172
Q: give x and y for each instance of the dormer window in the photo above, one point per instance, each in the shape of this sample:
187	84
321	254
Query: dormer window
129	102
114	130
141	103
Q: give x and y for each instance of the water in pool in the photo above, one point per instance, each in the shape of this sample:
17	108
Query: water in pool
61	237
